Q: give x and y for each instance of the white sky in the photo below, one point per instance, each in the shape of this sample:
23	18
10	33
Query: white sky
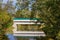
4	1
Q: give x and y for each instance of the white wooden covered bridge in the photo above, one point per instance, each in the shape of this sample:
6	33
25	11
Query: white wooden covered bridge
22	32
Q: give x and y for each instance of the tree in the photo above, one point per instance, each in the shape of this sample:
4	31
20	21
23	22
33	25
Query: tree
49	11
25	13
5	23
9	7
22	4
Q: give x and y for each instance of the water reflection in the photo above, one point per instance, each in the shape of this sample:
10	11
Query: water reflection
11	37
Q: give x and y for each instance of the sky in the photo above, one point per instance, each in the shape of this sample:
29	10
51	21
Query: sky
5	1
14	1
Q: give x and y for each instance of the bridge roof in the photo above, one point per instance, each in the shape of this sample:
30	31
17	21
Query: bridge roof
27	19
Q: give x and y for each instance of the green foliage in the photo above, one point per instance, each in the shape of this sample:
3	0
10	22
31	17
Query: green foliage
49	11
22	4
5	19
25	13
5	23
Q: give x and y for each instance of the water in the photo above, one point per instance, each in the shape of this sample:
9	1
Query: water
11	37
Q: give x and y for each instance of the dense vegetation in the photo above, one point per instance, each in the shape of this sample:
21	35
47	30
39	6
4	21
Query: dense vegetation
5	22
47	10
